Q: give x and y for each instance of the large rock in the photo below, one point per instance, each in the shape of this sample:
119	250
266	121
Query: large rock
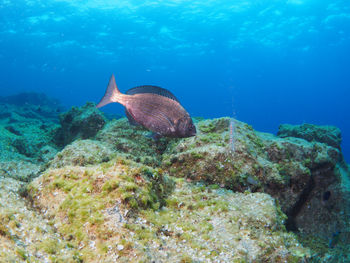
27	122
25	107
122	211
25	235
79	123
329	135
20	169
90	206
133	142
292	170
82	153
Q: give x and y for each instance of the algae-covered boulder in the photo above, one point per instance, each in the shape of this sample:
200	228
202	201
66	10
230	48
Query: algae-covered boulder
127	212
133	142
24	107
219	226
82	153
25	139
292	170
89	205
20	169
26	135
25	235
329	135
79	123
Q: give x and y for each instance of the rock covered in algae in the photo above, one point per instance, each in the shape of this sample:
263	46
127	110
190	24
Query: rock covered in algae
25	235
82	153
27	106
127	212
133	142
292	170
20	170
26	132
109	198
329	135
79	123
90	205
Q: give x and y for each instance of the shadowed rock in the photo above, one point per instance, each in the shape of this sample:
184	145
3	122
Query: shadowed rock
79	123
329	135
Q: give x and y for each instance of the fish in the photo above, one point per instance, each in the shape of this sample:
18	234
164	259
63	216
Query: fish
152	107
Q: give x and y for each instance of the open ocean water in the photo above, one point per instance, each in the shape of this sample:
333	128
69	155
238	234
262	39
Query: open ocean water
266	62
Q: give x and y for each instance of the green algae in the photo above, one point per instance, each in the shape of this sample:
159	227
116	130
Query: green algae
4	231
133	142
21	253
182	204
187	216
87	192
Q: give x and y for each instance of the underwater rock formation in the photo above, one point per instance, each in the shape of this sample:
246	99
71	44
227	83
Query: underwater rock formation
292	170
27	122
79	123
133	142
82	153
118	195
125	211
26	235
27	106
329	135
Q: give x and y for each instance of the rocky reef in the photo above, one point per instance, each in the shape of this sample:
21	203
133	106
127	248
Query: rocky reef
105	191
79	123
27	124
329	135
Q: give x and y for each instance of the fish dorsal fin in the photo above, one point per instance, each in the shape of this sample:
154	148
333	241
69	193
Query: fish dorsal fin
152	89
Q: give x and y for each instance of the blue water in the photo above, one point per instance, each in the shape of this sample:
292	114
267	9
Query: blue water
265	62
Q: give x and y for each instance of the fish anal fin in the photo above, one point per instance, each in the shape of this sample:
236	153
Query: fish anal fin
131	118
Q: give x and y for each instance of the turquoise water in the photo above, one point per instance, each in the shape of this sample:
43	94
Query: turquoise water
266	62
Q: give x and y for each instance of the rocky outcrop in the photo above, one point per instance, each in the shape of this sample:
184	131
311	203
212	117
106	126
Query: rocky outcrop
329	135
27	122
292	170
133	142
115	194
127	212
79	123
25	235
24	107
82	153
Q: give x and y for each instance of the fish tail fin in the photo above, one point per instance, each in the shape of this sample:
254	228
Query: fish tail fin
111	94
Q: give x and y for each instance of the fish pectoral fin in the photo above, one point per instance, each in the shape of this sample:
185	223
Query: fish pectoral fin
154	135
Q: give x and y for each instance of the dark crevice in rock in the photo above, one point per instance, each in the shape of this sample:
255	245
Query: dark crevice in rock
294	211
79	123
13	130
322	170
